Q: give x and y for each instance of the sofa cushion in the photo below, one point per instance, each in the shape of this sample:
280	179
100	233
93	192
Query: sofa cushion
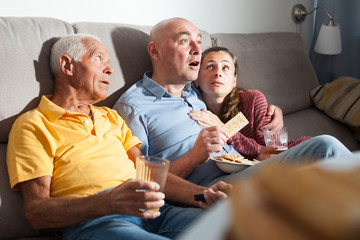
24	53
313	122
127	47
274	63
340	99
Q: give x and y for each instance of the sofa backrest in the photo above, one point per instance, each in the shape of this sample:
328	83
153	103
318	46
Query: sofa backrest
274	63
25	72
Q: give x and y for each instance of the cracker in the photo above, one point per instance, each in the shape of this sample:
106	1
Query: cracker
232	156
235	124
218	157
229	157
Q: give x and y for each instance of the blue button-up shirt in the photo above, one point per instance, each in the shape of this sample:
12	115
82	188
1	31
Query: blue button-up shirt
161	121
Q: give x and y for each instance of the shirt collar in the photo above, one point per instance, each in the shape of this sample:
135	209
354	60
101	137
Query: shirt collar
154	88
157	90
197	91
54	112
97	112
50	109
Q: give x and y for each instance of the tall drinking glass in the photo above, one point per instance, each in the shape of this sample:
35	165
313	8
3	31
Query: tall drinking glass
152	169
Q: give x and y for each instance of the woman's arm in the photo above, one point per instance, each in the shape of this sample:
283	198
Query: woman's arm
250	140
277	120
206	118
259	109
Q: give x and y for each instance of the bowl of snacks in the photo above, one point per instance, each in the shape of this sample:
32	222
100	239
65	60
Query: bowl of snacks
230	163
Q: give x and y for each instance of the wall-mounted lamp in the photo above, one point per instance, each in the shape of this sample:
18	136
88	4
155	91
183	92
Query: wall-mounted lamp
329	39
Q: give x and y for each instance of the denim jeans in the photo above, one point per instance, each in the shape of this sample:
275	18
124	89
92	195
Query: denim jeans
171	222
314	149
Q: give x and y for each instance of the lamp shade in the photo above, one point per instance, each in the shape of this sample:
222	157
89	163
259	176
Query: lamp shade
329	40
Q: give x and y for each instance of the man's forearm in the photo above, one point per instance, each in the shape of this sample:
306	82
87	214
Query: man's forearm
64	212
181	191
43	211
183	166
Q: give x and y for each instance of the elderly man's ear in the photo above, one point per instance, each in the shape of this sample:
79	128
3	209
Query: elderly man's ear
66	65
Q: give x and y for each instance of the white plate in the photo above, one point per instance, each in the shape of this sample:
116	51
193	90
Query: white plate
230	167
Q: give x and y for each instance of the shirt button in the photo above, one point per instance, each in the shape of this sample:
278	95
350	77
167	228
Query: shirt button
86	122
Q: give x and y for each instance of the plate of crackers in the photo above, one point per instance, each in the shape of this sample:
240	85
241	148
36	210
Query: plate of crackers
229	162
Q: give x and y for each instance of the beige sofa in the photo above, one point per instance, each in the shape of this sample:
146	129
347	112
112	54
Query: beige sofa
275	63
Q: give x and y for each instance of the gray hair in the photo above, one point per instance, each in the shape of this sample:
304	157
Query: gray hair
71	45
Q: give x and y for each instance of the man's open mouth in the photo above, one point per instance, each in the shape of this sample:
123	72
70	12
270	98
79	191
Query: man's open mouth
195	63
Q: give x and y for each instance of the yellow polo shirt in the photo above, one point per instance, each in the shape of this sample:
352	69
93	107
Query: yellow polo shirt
82	157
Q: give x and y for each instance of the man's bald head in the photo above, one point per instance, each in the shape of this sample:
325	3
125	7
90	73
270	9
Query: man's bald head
162	27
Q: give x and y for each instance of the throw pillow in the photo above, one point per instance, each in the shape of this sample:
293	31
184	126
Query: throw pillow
340	99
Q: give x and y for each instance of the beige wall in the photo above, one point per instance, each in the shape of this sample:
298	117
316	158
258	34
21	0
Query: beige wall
214	16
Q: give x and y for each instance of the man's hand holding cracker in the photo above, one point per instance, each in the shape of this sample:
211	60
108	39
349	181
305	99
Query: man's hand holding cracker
210	140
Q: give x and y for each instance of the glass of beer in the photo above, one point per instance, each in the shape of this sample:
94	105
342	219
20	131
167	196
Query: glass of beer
152	169
277	138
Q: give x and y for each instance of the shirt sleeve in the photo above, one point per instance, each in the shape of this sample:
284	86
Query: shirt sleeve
28	153
136	122
250	139
127	138
260	106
